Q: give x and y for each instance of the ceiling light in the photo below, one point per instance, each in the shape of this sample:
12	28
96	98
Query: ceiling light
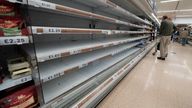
183	10
183	16
167	1
155	18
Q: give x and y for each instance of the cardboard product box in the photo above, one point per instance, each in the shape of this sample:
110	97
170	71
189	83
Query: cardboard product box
23	98
18	67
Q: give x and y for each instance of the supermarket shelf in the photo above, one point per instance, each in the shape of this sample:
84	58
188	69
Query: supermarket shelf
73	95
103	89
56	68
8	83
67	82
62	49
63	30
71	63
77	12
14	40
190	42
112	8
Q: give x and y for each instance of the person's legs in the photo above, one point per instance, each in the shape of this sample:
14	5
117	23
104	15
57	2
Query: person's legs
162	47
183	41
167	42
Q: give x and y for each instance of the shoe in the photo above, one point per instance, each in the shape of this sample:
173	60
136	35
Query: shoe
166	55
160	58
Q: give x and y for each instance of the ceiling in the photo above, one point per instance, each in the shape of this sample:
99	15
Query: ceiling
178	10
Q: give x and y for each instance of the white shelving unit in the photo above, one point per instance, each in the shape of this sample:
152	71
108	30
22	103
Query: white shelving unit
190	40
80	49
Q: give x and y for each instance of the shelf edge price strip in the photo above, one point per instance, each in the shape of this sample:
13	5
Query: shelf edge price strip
17	40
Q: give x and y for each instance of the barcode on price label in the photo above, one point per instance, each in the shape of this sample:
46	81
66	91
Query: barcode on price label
13	40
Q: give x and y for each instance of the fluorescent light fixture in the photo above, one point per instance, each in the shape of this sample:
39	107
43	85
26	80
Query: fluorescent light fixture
155	18
167	11
179	16
183	16
167	1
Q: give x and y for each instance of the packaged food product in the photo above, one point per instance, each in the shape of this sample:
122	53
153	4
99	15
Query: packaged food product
23	98
6	8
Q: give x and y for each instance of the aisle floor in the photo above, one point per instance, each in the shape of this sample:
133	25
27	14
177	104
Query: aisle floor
156	84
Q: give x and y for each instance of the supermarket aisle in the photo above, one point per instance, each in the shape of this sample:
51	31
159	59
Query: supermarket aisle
156	84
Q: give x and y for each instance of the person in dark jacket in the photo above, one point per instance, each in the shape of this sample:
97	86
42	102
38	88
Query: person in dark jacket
166	30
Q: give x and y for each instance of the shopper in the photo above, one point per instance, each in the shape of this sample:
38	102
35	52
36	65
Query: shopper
173	34
166	30
184	35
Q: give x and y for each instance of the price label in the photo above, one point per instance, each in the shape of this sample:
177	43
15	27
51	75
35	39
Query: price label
54	56
105	32
23	80
106	45
46	5
75	52
62	73
54	30
49	78
83	65
43	4
13	40
115	43
56	75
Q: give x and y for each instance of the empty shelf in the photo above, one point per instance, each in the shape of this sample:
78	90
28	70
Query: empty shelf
69	81
59	67
63	30
112	8
53	50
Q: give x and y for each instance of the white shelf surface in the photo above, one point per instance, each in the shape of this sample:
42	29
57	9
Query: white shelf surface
190	42
64	30
69	81
14	40
8	82
53	69
53	50
112	8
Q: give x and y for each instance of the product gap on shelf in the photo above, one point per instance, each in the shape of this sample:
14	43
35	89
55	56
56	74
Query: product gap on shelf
66	82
